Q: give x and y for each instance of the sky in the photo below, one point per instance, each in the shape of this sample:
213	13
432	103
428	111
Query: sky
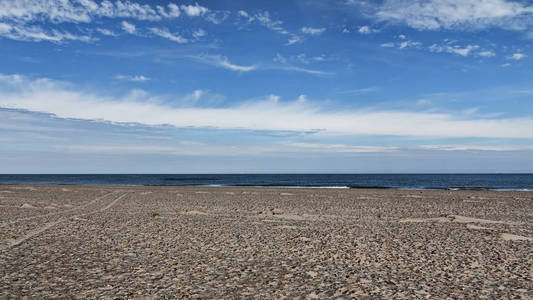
303	86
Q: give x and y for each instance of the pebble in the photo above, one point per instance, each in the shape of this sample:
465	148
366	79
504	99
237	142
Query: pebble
218	243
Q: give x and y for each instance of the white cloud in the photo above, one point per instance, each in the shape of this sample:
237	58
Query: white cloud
302	58
106	32
199	33
82	11
313	31
132	10
134	78
455	49
340	148
5	28
477	147
457	14
222	61
21	20
303	70
361	90
194	10
524	92
402	44
280	58
195	148
164	33
22	32
366	30
423	102
387	45
128	27
201	149
243	13
294	40
49	96
517	56
54	11
461	50
487	53
194	96
217	17
180	149
263	18
407	44
172	12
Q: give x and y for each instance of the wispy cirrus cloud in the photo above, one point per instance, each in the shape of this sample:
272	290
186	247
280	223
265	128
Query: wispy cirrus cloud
458	50
477	147
24	20
35	20
58	11
263	18
165	33
300	58
292	68
23	32
517	56
487	53
447	46
106	32
457	14
361	90
133	78
223	62
402	43
339	148
128	27
199	33
64	101
201	149
313	31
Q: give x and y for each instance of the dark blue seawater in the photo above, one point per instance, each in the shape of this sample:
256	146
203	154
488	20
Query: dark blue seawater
394	181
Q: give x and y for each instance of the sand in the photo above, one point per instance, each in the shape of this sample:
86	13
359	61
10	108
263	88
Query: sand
221	242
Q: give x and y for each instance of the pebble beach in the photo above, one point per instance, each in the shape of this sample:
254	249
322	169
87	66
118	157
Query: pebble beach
138	242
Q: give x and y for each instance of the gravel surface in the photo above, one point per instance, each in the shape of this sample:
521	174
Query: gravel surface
199	242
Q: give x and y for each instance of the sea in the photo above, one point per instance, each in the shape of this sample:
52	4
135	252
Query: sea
522	182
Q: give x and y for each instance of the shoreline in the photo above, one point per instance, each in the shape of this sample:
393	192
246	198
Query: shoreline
481	189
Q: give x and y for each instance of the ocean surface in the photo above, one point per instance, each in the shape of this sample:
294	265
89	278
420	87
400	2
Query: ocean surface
393	181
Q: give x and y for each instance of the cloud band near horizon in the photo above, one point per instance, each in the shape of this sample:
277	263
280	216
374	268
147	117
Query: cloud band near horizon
64	101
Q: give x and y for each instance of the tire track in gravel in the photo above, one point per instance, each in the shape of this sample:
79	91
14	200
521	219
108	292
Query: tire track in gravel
59	212
113	203
35	232
29	235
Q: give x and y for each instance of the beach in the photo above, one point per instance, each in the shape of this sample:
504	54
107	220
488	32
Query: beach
134	242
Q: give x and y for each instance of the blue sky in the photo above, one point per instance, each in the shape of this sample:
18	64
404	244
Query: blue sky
351	86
